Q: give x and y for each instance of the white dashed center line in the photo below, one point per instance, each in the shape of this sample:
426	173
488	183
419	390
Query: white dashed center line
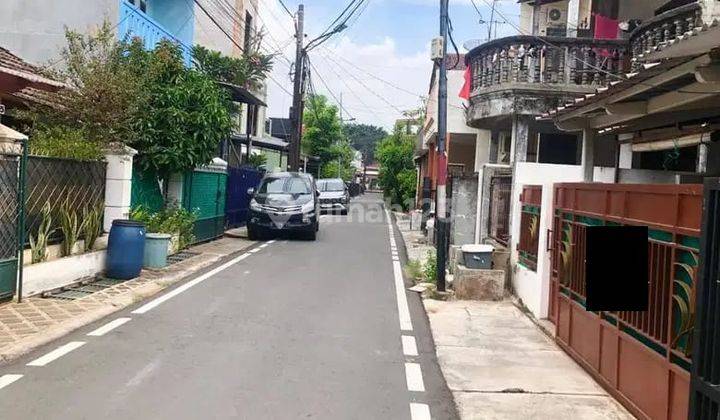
108	327
57	353
153	303
409	345
419	411
6	380
413	371
413	375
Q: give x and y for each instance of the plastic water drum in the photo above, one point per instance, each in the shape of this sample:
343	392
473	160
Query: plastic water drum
126	249
478	256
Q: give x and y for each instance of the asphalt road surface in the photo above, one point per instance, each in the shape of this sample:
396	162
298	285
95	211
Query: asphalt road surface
291	330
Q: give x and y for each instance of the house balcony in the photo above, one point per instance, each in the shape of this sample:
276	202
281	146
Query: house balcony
528	75
136	23
663	29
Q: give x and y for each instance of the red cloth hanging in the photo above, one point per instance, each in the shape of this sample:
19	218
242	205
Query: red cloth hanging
465	91
605	27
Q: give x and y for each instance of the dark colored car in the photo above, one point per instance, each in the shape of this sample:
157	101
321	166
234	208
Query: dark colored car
334	195
284	202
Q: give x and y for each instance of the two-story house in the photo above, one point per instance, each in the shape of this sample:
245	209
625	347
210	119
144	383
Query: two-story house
605	113
35	30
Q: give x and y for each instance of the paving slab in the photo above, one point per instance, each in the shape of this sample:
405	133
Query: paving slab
500	365
506	406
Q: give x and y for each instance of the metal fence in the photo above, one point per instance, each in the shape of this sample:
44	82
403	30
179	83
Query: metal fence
204	193
530	201
499	220
632	351
705	393
58	181
9	171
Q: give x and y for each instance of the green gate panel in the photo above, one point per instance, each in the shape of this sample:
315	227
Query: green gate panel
145	191
8	277
204	194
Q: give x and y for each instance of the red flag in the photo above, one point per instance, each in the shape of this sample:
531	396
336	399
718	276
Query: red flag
465	91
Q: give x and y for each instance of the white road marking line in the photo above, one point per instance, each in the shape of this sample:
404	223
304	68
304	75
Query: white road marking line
413	375
264	245
403	310
409	345
153	303
419	411
108	327
252	251
57	353
6	380
272	242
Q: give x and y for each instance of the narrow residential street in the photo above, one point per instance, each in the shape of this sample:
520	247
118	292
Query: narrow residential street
291	329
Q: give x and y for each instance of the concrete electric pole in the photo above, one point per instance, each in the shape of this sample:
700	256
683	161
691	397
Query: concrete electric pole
297	108
441	204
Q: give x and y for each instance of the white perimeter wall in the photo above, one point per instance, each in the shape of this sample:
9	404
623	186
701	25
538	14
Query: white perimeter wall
534	287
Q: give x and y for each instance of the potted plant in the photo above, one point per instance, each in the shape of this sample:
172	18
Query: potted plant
167	232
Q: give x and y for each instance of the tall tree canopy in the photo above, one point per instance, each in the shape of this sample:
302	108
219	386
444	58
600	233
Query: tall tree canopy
397	169
364	138
324	137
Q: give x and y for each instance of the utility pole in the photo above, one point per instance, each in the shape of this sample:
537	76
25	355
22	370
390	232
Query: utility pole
441	204
297	108
492	22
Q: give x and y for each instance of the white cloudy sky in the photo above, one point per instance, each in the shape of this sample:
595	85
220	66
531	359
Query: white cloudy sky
389	41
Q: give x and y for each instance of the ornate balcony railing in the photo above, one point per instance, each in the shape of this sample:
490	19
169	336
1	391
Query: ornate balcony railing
556	63
664	28
134	22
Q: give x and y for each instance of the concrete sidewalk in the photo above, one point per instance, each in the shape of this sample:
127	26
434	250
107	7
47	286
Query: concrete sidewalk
500	366
36	321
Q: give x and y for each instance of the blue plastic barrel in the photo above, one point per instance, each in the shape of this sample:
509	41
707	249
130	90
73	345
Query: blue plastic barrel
126	247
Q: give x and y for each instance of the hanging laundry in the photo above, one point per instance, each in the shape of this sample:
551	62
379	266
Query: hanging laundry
605	27
465	91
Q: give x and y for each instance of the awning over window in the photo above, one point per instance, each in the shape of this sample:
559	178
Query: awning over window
241	94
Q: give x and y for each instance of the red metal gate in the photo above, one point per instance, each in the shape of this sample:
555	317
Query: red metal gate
642	358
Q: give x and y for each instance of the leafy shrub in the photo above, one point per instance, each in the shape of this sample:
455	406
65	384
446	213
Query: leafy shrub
173	220
257	160
92	225
64	142
39	243
71	226
430	268
414	270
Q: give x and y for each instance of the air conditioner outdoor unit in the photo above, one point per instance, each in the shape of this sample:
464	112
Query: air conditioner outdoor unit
556	22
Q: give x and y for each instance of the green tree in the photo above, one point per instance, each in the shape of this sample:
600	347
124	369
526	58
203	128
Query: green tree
324	138
364	138
184	113
397	171
101	100
248	71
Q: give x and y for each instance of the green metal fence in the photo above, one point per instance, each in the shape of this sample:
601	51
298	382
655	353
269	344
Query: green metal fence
204	194
59	182
13	161
145	190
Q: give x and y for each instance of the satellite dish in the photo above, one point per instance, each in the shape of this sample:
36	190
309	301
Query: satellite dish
473	43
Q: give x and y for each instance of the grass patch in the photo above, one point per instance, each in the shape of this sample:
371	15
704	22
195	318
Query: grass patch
414	270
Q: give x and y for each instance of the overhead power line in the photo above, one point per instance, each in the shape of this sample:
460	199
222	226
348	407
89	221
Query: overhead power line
317	73
286	9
